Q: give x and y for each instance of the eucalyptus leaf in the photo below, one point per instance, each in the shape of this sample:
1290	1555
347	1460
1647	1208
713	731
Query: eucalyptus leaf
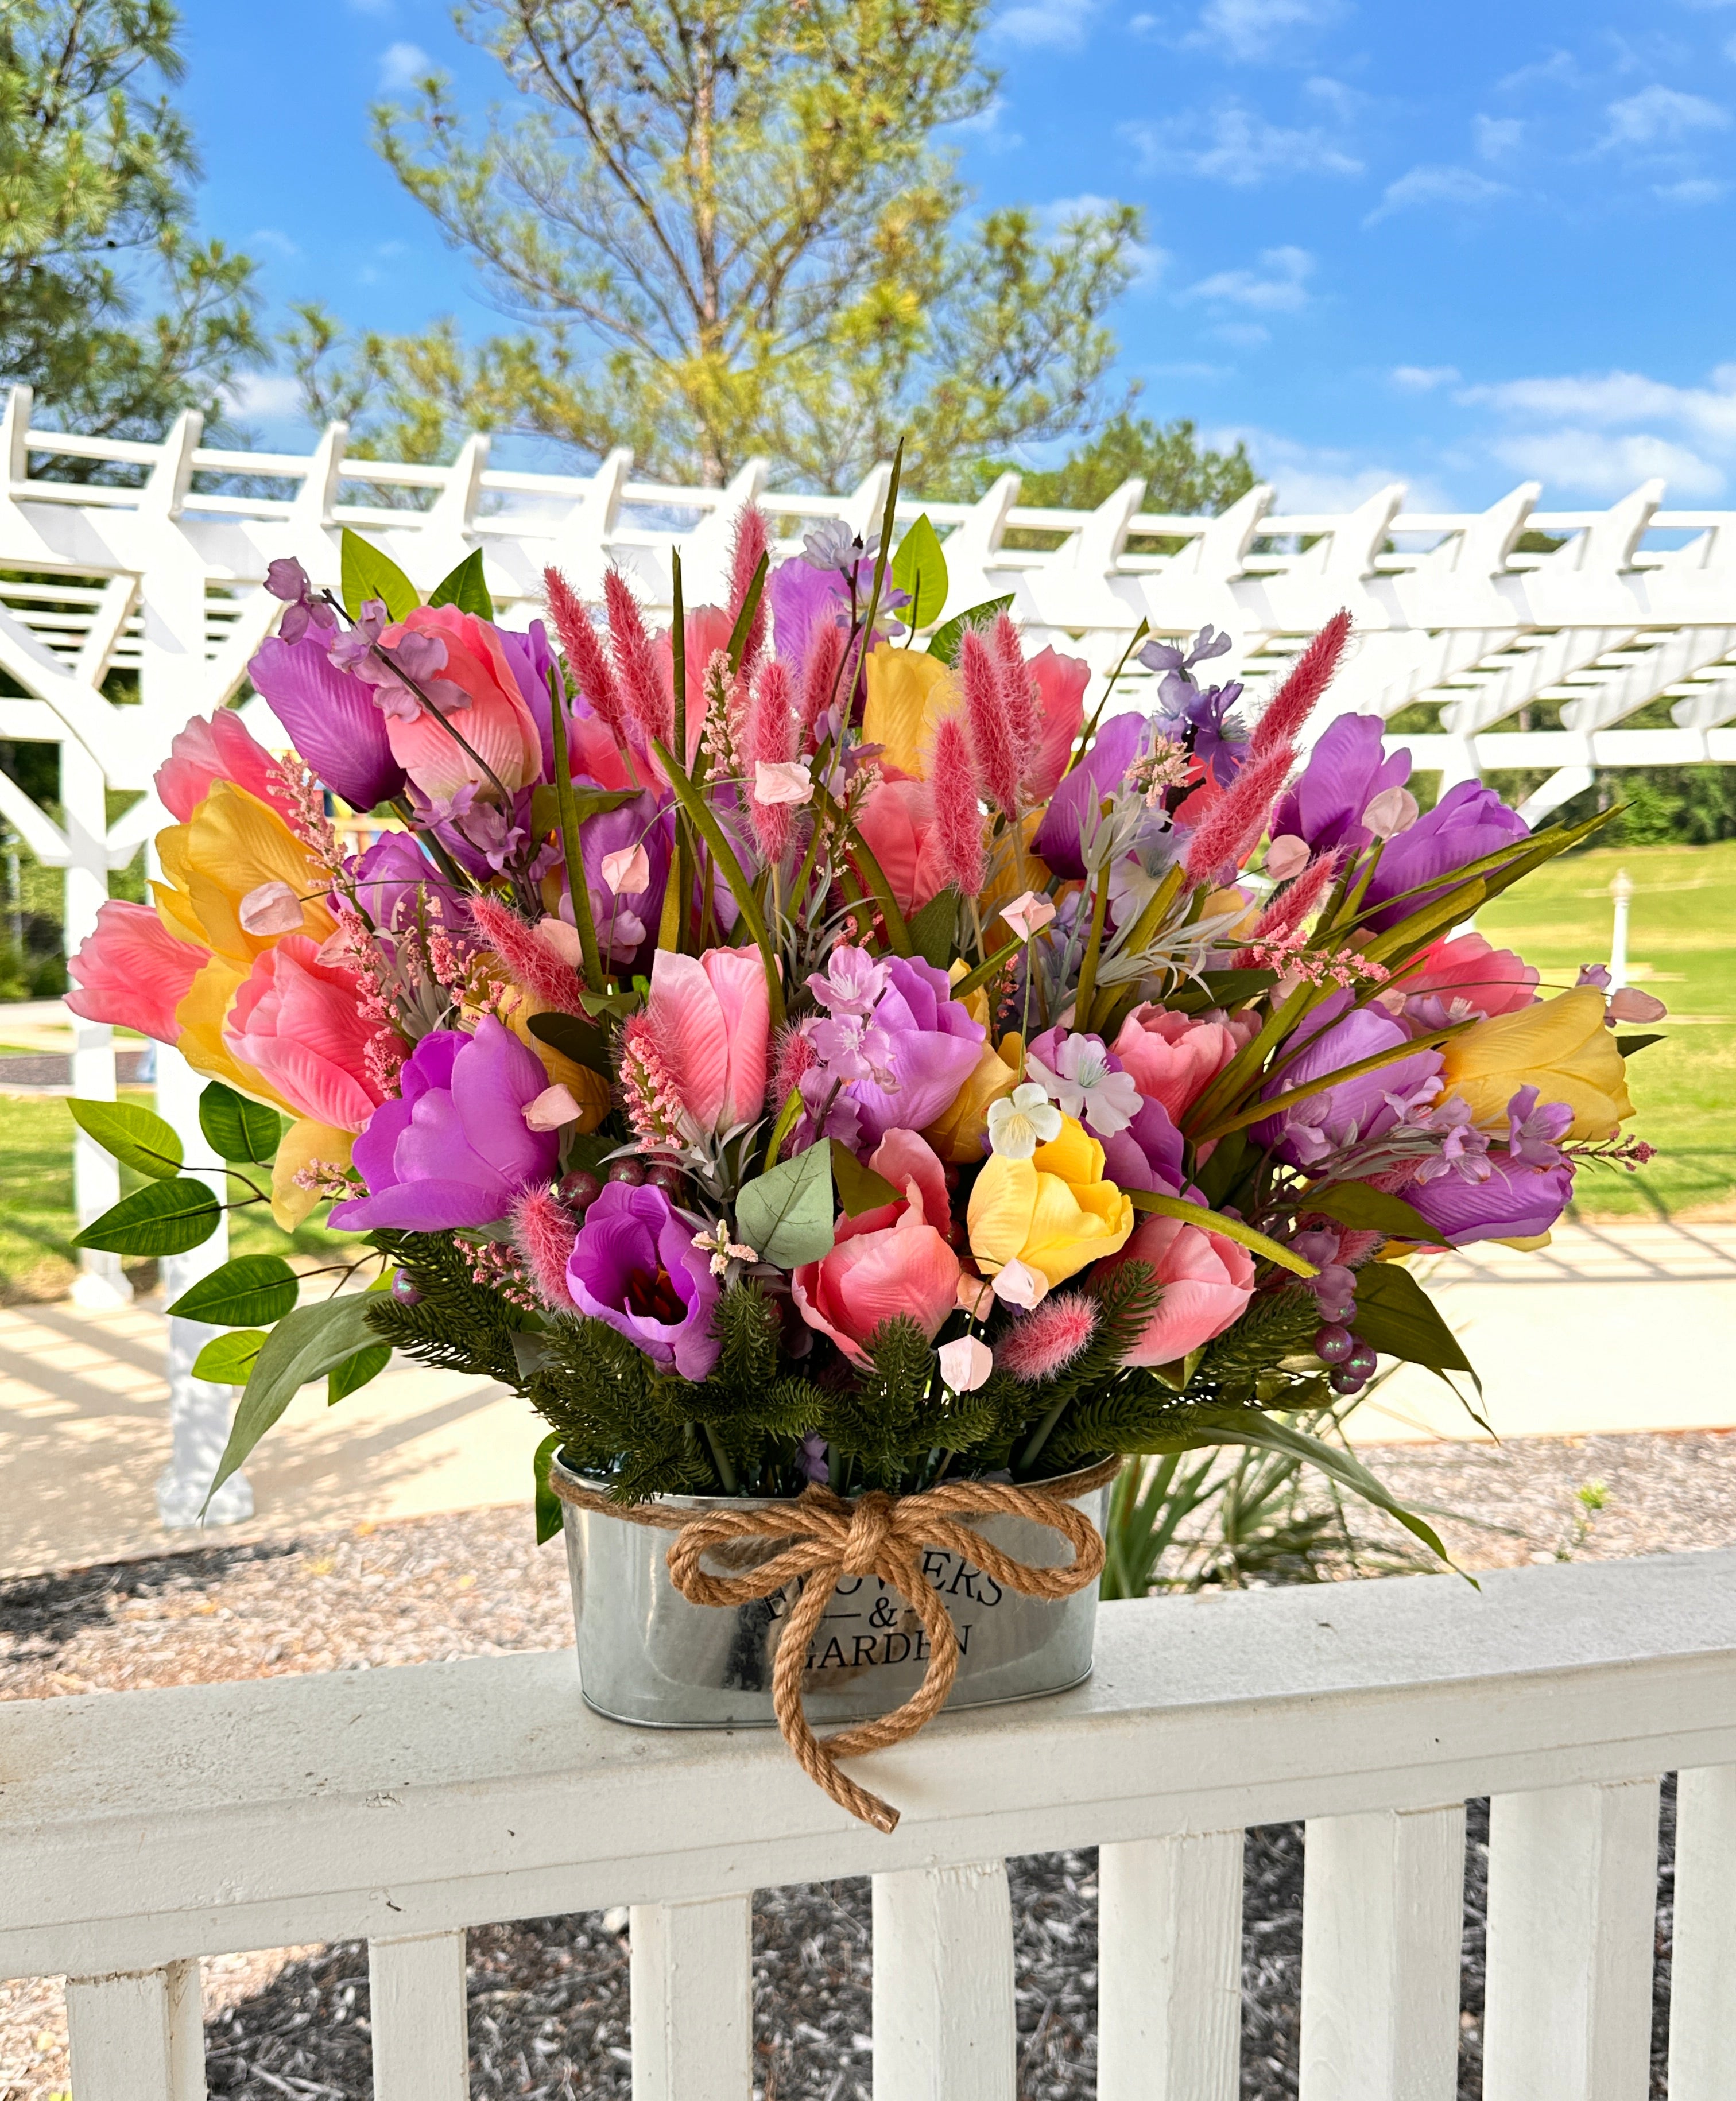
163	1218
859	1188
229	1360
466	587
1366	1208
934	929
366	572
946	642
549	1522
786	1214
236	1129
136	1137
250	1292
920	571
304	1345
343	1379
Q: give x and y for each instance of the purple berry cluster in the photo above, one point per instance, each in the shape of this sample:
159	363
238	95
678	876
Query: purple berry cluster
1351	1359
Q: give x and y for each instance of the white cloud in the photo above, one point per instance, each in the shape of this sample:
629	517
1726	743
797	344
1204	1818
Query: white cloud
1242	335
1238	146
401	66
1282	288
1608	399
1495	137
1604	432
1605	466
1250	30
1437	185
987	127
1142	25
268	236
1054	25
274	395
1422	379
1659	116
1325	477
1695	190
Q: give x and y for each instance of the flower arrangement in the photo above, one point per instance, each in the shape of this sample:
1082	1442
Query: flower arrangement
787	1052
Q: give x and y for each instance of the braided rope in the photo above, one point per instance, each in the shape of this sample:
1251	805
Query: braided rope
879	1535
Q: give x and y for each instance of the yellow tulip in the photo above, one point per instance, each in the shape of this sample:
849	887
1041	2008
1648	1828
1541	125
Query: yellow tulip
909	692
304	1144
589	1089
958	1135
200	1018
1559	1047
1053	1212
232	844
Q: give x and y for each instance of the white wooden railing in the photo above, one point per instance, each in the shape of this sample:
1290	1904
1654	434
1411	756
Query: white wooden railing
138	1833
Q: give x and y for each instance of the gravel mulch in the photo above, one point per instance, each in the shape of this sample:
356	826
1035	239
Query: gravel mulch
548	1997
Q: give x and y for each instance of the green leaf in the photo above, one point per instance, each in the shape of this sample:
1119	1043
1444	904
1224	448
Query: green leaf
549	1520
545	803
138	1139
236	1129
574	1037
786	1214
744	619
933	929
946	642
1627	1044
1396	1316
357	1371
1225	988
465	587
366	572
163	1218
304	1345
1215	1222
229	1360
859	1188
919	570
983	971
1356	1204
250	1292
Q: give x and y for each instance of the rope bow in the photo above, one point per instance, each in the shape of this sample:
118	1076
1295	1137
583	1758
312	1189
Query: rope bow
879	1535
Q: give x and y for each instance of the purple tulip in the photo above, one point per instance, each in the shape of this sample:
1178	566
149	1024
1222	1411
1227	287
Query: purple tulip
1098	774
331	719
454	1150
1469	821
531	661
1345	771
1148	1154
396	883
801	595
635	1266
1515	1199
925	1043
1355	1110
627	921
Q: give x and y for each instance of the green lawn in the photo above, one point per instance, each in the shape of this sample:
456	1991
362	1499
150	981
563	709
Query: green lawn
1681	944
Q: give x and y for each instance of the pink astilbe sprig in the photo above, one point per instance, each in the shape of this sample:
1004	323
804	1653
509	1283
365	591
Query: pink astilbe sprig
1295	901
531	961
770	737
587	661
1294	701
649	700
648	1086
1018	686
543	1232
958	820
305	813
500	1268
820	677
1292	958
1231	830
751	539
998	756
1041	1343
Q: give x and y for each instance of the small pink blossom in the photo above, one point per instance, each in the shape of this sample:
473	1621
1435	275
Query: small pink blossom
1287	857
1017	1283
966	1363
562	938
628	869
976	1296
1393	811
552	1108
1630	1004
270	908
782	781
1029	914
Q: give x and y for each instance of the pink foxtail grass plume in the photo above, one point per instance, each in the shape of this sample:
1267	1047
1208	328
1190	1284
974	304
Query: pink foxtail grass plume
1294	701
1039	1344
1018	687
1229	830
531	961
998	758
750	542
648	695
543	1232
588	663
771	735
820	678
959	821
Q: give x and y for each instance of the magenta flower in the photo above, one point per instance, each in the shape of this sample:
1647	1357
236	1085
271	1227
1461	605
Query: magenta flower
455	1149
919	1048
1345	771
331	720
636	1266
1148	1154
1469	821
1099	773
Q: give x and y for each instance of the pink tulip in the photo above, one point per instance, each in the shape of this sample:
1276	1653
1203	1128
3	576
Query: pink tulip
1060	693
296	1022
131	969
710	1019
1208	1280
893	1260
897	826
1491	980
497	724
221	749
1175	1057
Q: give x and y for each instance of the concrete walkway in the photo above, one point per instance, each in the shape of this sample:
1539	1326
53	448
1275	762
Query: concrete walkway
1612	1329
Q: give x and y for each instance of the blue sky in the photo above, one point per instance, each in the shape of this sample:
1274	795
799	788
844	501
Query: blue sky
1456	246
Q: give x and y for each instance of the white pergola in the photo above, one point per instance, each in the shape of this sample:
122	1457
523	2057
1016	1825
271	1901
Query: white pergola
158	569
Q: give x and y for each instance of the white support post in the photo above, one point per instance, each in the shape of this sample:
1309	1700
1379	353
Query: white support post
1703	1995
199	1411
944	2022
418	2014
96	1178
1572	1886
1621	890
692	1995
1169	1968
137	2037
1382	1917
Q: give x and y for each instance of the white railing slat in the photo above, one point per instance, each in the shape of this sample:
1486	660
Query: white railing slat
943	2026
137	2037
1384	1902
420	2024
1169	1968
1573	1881
692	2000
1703	1969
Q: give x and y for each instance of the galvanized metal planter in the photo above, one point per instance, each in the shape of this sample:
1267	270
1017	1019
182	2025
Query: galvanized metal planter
646	1656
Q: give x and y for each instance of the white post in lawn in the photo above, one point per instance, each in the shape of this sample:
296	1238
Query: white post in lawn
420	2024
1169	1968
137	2037
96	1177
944	2022
1702	1997
693	1996
1621	889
